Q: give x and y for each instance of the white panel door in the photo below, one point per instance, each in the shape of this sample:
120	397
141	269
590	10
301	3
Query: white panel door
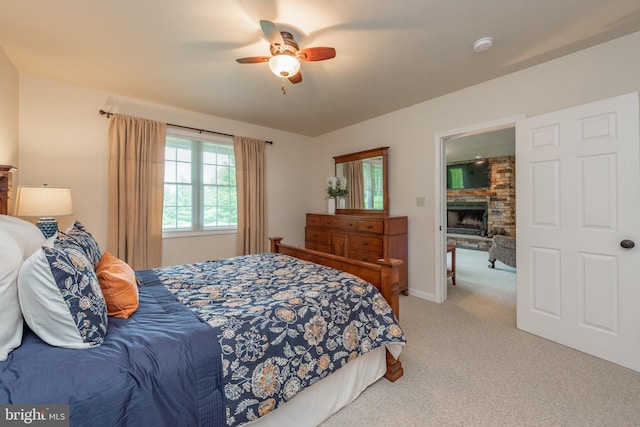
578	190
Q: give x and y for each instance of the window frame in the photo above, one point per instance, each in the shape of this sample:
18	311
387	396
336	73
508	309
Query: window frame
197	186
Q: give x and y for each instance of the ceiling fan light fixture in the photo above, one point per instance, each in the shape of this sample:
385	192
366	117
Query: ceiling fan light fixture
284	65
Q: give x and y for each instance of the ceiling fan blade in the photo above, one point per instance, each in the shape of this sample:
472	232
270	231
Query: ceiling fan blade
316	53
296	78
253	60
271	32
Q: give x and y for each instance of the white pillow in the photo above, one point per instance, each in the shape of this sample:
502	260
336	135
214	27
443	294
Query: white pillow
27	236
61	298
10	314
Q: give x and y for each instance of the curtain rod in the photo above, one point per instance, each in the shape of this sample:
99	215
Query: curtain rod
108	114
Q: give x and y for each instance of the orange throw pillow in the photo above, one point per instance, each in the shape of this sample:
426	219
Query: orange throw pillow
119	286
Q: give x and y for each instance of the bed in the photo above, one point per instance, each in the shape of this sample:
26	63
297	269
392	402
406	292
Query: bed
225	342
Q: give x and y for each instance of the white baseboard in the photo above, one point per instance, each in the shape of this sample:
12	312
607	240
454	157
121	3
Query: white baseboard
423	295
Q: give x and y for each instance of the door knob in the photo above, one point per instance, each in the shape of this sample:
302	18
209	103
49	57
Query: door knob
627	244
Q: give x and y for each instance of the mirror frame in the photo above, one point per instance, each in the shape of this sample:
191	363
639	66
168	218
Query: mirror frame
360	155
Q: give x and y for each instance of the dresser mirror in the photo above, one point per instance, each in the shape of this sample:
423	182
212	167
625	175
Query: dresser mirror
367	182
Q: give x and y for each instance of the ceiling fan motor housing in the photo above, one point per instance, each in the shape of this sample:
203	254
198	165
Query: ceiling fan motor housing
290	45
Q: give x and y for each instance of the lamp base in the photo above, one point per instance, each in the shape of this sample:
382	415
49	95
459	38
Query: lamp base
48	226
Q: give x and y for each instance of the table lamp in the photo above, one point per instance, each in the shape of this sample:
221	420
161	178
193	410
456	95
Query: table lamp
45	203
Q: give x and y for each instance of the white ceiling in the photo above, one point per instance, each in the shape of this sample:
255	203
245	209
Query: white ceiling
492	143
390	54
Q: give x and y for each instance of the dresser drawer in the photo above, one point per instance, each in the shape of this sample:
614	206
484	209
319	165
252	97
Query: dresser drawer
315	220
369	244
364	256
314	246
370	226
339	223
317	235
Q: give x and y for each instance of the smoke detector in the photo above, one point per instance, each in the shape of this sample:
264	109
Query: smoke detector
482	44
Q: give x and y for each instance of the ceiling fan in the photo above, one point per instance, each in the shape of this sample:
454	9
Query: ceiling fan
285	55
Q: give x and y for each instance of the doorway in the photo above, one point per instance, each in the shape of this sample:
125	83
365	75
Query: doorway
467	146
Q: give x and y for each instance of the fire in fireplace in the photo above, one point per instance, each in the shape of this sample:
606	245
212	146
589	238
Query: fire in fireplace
467	218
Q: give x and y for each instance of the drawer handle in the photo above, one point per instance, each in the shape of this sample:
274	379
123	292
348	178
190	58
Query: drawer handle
364	243
369	226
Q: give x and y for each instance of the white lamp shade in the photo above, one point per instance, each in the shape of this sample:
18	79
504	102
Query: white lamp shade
284	65
34	201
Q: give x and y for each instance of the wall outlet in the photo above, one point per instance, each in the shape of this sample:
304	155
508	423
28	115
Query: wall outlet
420	201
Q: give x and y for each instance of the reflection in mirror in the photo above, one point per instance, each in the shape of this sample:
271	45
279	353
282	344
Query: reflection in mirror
364	183
366	174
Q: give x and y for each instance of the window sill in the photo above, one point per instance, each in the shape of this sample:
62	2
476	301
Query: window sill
196	233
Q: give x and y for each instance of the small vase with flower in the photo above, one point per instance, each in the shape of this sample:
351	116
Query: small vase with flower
336	188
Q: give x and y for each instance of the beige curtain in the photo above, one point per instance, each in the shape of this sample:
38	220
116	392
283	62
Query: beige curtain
136	190
355	183
250	183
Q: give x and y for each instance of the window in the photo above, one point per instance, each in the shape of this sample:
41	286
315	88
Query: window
372	177
199	184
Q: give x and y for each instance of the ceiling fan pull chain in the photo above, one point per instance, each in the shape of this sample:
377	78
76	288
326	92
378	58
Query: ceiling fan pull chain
284	91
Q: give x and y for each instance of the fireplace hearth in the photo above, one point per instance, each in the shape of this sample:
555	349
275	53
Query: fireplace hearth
467	218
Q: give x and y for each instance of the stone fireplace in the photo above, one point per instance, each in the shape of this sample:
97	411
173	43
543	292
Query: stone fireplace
498	201
467	218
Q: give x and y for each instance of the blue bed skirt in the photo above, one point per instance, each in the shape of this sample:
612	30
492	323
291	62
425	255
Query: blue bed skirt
160	367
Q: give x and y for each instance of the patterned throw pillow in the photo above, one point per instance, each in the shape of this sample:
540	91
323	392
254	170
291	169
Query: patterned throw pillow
60	296
86	240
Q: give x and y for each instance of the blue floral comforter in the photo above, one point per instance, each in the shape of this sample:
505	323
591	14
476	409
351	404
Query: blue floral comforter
282	324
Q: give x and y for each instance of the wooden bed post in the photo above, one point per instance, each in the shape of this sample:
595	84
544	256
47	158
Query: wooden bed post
390	289
390	280
385	275
275	242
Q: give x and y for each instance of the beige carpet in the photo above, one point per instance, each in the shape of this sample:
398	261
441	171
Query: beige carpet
466	364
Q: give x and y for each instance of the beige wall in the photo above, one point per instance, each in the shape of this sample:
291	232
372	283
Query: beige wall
63	141
603	71
8	111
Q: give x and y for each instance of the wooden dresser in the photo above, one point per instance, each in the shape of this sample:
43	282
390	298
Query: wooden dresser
362	237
